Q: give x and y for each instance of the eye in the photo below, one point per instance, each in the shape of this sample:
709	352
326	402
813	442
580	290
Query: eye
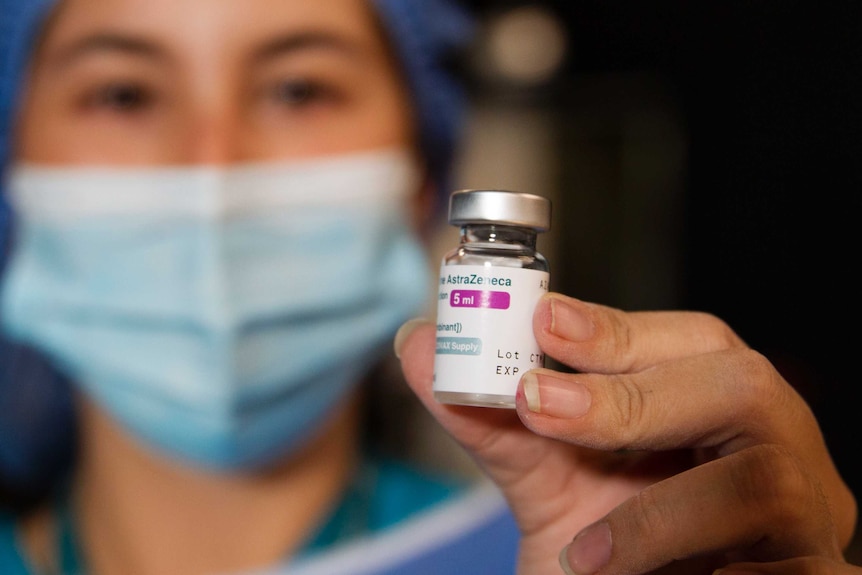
122	97
300	92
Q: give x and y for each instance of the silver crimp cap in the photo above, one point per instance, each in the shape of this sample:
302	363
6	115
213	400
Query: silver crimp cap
500	207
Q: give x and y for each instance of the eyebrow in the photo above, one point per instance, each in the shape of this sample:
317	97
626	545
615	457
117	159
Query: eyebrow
306	40
107	42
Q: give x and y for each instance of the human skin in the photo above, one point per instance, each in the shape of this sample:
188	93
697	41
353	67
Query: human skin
671	448
214	82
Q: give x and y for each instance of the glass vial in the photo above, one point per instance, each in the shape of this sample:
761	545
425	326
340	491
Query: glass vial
489	287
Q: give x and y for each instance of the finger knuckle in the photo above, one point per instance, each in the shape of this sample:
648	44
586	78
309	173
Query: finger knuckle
774	481
628	408
758	382
620	341
716	331
648	514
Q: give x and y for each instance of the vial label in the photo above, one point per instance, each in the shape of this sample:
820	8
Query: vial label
485	337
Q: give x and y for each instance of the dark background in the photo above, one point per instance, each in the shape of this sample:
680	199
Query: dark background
768	97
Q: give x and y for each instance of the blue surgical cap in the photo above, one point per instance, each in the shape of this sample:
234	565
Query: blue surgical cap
36	414
426	35
37	423
18	22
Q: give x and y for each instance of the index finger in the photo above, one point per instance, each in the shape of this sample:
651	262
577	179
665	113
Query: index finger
599	339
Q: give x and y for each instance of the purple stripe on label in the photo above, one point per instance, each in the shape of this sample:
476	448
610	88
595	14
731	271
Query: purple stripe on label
474	298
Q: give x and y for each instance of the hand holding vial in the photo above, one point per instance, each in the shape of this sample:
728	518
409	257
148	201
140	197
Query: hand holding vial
673	445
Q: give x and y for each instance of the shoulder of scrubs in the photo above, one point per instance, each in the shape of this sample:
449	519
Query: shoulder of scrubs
11	561
382	493
469	531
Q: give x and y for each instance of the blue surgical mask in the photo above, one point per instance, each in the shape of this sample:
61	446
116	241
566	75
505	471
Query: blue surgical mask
219	314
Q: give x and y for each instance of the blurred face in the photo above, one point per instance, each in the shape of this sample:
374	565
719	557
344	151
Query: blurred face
140	82
215	82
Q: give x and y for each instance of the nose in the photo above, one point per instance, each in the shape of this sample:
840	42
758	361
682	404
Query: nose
213	136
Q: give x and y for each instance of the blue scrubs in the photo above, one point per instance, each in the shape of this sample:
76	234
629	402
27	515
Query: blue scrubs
392	520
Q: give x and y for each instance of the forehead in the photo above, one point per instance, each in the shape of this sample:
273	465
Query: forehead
214	28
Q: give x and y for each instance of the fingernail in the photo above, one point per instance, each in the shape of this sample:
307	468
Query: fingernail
564	563
404	332
569	322
555	397
589	551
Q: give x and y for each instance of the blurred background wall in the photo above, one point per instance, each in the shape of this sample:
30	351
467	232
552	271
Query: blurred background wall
703	155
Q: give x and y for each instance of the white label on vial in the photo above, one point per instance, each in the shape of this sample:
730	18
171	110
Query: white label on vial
485	337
